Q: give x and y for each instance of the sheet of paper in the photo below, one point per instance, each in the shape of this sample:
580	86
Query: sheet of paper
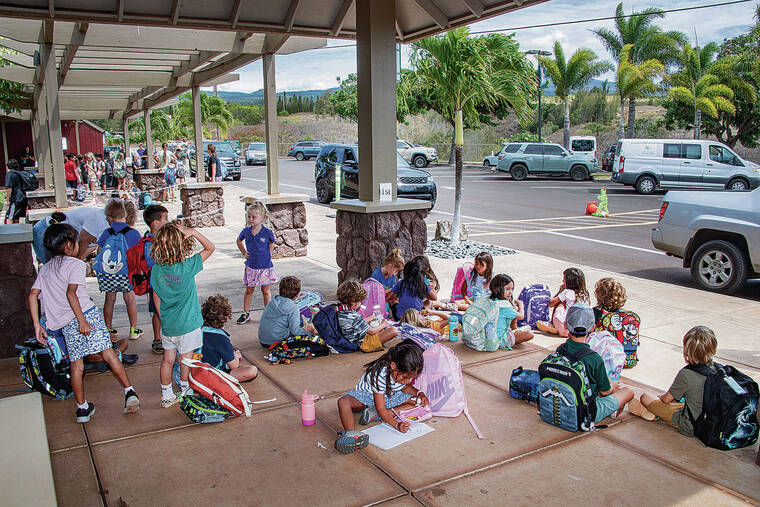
386	437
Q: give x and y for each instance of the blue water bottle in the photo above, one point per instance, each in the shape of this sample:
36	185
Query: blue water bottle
492	344
453	328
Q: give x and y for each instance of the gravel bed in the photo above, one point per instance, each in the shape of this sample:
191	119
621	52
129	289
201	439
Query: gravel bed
464	250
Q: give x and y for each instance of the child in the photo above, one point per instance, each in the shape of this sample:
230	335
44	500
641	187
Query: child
572	290
387	274
386	384
155	217
699	347
353	326
610	397
472	280
610	297
111	284
412	289
70	312
217	348
281	318
256	243
502	288
172	278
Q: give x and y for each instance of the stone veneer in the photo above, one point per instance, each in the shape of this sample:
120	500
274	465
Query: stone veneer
41	199
150	180
364	239
17	275
202	204
287	219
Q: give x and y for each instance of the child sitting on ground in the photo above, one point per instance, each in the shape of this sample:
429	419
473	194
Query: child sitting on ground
387	274
502	289
281	318
70	313
610	297
472	280
412	289
256	243
354	327
572	290
217	348
699	347
155	217
385	385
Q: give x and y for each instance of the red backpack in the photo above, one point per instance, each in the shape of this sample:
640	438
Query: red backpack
219	387
139	272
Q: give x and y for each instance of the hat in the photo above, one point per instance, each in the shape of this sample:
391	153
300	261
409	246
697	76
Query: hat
580	319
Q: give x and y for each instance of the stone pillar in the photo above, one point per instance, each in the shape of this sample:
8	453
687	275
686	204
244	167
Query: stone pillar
148	138
287	219
202	204
150	180
47	59
270	125
45	199
200	168
17	275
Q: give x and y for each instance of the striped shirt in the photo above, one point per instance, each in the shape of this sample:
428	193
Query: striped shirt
365	383
351	323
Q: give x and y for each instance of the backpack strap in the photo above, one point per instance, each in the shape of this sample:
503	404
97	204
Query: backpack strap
583	352
704	369
472	422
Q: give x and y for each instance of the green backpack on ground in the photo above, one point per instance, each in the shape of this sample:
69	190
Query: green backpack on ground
482	311
565	398
202	410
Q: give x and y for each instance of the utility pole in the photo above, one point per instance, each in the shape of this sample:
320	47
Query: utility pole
539	52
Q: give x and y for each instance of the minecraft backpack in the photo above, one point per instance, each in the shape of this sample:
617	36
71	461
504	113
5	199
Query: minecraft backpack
623	325
45	368
565	398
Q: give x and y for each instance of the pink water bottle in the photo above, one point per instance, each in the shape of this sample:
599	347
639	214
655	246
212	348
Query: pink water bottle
308	410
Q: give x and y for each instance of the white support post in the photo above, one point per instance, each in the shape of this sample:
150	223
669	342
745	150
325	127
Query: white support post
47	59
200	168
125	129
76	132
148	138
42	153
270	124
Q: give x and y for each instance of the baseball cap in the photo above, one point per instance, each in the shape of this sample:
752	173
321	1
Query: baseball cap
580	319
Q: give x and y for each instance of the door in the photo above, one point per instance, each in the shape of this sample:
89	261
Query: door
534	157
692	165
555	159
719	167
350	173
671	163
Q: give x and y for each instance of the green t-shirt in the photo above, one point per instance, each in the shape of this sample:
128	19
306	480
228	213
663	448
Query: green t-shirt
175	285
597	373
689	385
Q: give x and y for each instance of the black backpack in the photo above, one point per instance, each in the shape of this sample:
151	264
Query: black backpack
326	322
29	181
729	408
42	371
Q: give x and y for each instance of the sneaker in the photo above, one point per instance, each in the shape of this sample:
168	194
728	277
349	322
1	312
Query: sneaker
135	333
157	347
168	402
349	441
84	414
244	317
112	331
637	408
369	415
546	327
131	402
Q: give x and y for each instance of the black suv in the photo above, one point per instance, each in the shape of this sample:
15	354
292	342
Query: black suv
411	183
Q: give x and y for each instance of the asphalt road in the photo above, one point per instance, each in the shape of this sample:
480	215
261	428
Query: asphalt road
539	215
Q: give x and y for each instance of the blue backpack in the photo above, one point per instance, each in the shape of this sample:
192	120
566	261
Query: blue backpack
112	258
535	299
565	398
202	410
326	322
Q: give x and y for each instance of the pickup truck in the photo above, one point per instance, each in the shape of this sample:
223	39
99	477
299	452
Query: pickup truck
717	234
418	156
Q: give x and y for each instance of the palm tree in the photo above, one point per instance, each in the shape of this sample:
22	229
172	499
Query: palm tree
463	77
648	42
635	80
571	75
213	111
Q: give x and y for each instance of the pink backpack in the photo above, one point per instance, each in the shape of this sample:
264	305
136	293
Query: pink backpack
460	288
219	387
375	299
441	381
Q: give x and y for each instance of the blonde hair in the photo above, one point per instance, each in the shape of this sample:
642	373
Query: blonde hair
413	317
610	294
351	291
131	211
115	209
170	246
395	259
257	208
699	345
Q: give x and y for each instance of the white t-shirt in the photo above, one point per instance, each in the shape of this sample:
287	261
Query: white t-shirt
567	296
53	280
366	384
92	220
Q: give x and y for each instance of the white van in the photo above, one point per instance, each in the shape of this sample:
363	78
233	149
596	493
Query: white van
584	145
647	164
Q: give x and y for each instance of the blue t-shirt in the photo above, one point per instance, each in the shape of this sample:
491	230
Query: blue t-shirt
132	236
217	348
388	283
257	246
507	313
407	299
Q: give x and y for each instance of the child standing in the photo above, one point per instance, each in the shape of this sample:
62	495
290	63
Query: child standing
572	290
111	266
356	328
176	299
471	280
256	243
412	289
70	312
385	385
281	318
502	289
217	348
155	217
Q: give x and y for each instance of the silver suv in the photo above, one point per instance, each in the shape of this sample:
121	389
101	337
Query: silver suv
717	234
523	159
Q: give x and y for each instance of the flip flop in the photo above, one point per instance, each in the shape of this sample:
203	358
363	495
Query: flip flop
637	408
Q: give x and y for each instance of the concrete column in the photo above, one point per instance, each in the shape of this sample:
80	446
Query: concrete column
270	124
148	138
5	141
76	133
125	129
35	138
200	168
43	152
376	91
47	59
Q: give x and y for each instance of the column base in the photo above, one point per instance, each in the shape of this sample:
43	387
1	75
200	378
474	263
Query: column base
202	204
287	218
17	274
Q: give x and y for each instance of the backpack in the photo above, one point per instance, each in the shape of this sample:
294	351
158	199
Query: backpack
460	289
306	302
219	387
201	410
535	299
326	322
623	325
43	370
441	381
523	384
112	258
375	300
80	193
482	311
29	181
565	398
296	347
139	272
425	338
729	408
611	350
197	355
144	200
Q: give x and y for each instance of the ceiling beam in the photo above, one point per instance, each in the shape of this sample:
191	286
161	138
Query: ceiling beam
432	10
51	8
46	32
27	48
290	17
273	42
20	59
175	11
77	37
399	31
120	10
340	18
235	14
475	6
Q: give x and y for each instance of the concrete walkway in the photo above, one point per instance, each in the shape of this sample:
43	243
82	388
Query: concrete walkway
157	457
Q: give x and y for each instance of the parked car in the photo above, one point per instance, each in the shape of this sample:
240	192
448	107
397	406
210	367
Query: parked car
418	156
493	160
304	150
224	152
411	183
584	145
647	164
545	159
717	235
609	158
256	154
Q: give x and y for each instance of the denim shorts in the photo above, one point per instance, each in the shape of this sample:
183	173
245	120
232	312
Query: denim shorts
367	399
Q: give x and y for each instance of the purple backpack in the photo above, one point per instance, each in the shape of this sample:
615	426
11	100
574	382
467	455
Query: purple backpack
375	300
535	299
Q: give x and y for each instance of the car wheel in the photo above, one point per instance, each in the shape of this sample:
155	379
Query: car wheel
646	185
719	266
419	161
578	173
249	162
236	177
323	191
519	172
738	185
299	156
486	163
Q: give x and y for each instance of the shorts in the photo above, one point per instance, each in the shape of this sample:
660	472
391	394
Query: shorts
184	343
511	334
367	399
16	210
114	283
71	184
80	345
665	411
258	277
151	302
606	406
371	343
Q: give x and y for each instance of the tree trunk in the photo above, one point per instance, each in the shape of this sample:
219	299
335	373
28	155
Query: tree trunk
631	118
453	145
697	122
621	123
566	126
458	140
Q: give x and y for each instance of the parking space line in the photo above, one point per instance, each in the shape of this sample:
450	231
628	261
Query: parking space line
281	184
600	226
463	216
610	243
556	218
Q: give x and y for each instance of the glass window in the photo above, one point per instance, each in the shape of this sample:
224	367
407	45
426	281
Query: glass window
692	151
348	155
400	145
723	155
582	145
332	156
552	150
511	148
534	149
671	150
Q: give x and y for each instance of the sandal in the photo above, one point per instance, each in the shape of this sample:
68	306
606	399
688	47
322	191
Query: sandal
129	359
157	347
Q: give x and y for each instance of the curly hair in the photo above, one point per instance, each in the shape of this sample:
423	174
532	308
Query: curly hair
216	311
170	246
351	291
610	294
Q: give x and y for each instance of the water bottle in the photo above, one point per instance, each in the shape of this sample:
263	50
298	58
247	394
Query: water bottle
308	410
453	328
492	343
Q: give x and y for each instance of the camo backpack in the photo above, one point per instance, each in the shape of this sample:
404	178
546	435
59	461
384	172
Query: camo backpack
565	398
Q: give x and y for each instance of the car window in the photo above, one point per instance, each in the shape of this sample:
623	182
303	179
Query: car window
533	149
401	162
257	146
692	151
582	145
555	151
511	148
723	155
671	150
348	155
332	156
400	145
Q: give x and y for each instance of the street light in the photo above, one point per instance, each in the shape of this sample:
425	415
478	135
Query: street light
539	52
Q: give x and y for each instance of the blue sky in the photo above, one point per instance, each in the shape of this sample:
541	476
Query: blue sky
318	69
